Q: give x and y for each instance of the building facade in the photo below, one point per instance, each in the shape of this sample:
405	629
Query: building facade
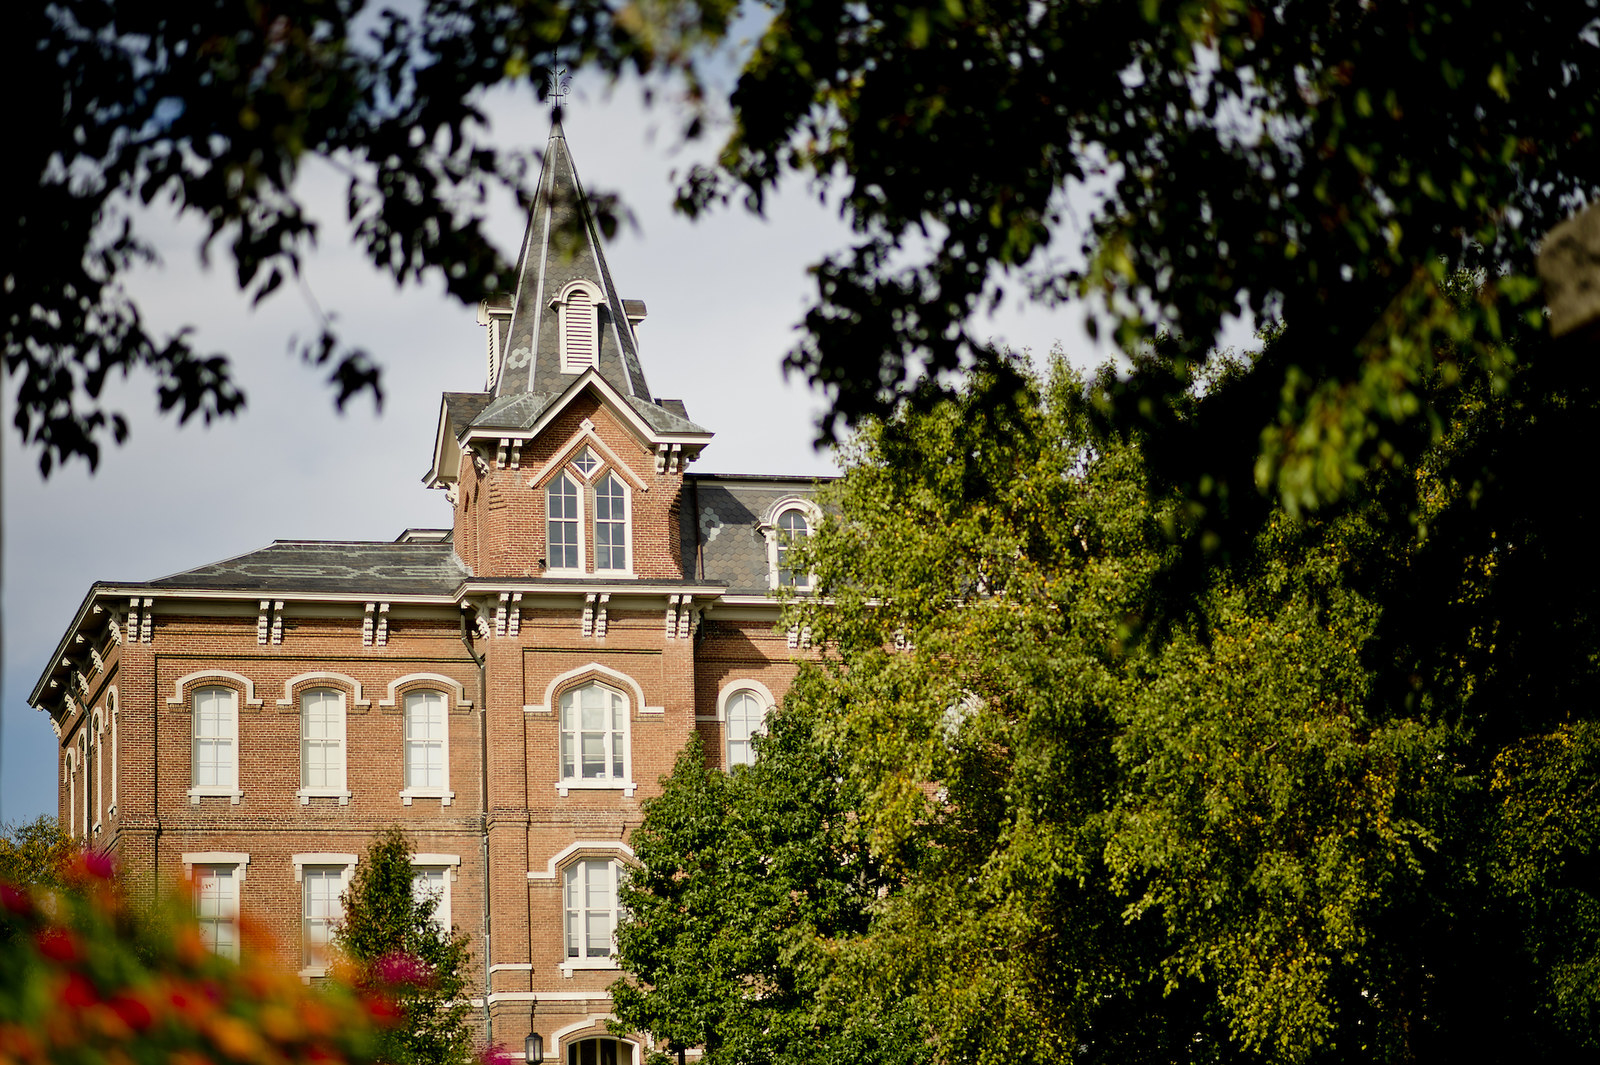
508	690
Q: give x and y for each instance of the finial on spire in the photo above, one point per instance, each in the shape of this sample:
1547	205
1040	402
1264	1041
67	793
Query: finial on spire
559	80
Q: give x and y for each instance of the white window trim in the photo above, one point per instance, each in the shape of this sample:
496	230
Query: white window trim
342	791
70	778
574	291
408	793
727	692
83	756
769	529
451	864
199	791
238	860
322	858
115	709
98	734
560	680
593	1026
608	458
582	516
581	964
626	785
627	525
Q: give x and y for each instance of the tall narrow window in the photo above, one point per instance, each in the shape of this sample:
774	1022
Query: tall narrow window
321	886
425	741
610	524
97	786
216	905
433	883
744	714
594	744
591	897
561	513
321	743
792	529
114	712
216	730
85	749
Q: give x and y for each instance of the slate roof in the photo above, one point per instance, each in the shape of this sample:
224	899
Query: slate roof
721	521
562	244
348	567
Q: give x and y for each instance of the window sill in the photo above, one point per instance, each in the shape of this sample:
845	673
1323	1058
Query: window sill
445	797
312	972
625	786
572	965
196	794
307	794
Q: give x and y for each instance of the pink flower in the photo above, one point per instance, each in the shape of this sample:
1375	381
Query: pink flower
99	864
498	1055
401	968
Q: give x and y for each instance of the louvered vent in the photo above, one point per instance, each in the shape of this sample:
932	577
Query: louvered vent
580	334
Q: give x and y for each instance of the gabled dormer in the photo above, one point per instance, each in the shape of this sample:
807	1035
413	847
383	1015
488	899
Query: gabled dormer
565	466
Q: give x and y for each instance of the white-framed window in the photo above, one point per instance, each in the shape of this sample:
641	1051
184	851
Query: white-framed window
600	1050
611	524
431	876
743	713
322	746
577	307
324	878
216	743
113	709
70	777
563	525
589	890
427	747
86	759
97	749
788	524
216	877
594	737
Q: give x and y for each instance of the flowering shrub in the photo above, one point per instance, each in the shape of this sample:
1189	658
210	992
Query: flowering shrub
88	977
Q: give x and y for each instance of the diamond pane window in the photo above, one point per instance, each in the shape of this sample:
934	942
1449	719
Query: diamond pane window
586	462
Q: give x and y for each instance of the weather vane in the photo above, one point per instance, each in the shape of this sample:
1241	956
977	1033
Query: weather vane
559	80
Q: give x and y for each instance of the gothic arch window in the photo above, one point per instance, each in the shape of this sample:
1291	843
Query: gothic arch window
594	737
578	310
611	520
563	525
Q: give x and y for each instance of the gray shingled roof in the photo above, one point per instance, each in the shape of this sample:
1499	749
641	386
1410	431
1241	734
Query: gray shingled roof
353	567
733	549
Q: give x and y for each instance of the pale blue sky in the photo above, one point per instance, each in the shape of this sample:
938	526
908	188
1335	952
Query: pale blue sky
724	295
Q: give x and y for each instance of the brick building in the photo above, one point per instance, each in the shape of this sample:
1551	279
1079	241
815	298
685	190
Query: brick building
508	689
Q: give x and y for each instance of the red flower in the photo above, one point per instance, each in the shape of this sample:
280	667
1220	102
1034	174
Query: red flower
383	1009
79	992
16	900
99	864
57	944
134	1014
398	967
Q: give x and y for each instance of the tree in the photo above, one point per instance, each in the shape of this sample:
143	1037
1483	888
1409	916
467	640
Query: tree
744	879
390	934
1230	836
36	853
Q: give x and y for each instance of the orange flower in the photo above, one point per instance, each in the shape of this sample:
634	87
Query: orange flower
235	1038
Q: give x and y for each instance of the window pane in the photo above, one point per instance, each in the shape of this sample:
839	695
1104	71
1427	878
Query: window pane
593	740
610	524
215	906
743	720
214	724
322	739
321	886
561	503
425	738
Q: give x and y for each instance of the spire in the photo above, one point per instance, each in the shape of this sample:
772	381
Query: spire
566	315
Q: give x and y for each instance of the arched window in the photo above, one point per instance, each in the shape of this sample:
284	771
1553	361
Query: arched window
97	748
216	739
427	762
610	524
793	527
594	735
743	714
601	1051
322	752
590	892
563	547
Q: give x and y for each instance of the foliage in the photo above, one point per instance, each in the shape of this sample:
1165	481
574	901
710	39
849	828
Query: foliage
1266	830
744	879
36	853
90	978
213	107
390	935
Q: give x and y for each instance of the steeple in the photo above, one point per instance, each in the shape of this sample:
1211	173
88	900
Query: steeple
566	315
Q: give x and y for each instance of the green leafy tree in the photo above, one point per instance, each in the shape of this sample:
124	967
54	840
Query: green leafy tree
1123	832
390	935
36	853
744	880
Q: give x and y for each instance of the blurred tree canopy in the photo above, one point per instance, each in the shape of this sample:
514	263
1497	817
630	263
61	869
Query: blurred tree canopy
1321	167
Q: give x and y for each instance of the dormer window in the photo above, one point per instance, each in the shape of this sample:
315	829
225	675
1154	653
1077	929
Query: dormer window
787	526
578	311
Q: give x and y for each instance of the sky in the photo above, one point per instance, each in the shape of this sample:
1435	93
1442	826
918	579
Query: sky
724	293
